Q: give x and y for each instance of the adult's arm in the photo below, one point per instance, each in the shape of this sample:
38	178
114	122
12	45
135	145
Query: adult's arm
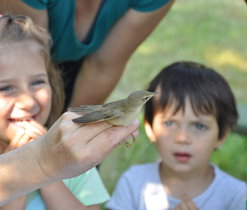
67	150
102	70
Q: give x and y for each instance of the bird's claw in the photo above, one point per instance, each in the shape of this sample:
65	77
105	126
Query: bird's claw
127	144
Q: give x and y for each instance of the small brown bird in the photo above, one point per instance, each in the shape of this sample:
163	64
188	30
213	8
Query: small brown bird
121	112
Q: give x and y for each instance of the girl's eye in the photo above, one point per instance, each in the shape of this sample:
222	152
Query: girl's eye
167	123
38	82
6	88
200	126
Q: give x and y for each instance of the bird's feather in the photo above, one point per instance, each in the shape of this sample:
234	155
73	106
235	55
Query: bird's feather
97	116
85	108
90	106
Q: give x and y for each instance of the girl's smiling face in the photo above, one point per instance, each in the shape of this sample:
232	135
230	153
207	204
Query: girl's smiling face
25	91
184	140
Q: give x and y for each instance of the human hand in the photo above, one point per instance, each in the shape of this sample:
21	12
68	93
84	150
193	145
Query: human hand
25	132
33	129
69	149
186	204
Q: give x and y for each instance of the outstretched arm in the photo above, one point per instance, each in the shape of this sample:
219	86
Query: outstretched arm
67	150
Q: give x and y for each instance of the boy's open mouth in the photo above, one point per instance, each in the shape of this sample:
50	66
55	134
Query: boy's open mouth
182	157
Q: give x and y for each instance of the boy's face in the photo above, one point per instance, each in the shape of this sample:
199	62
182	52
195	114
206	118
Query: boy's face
185	141
25	92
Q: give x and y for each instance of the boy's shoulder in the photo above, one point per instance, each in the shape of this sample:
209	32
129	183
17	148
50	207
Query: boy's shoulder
227	181
144	166
225	192
142	172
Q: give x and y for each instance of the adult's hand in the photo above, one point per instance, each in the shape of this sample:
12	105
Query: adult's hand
71	149
67	150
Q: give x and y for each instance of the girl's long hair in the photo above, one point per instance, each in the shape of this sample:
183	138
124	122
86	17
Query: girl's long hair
17	29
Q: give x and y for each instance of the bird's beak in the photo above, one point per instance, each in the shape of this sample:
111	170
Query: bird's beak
155	93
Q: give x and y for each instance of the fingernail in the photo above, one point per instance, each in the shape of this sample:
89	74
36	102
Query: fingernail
136	122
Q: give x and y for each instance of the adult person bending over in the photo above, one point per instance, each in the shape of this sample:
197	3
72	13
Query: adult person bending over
67	150
92	39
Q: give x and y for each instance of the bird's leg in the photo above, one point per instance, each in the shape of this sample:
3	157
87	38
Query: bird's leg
127	144
133	138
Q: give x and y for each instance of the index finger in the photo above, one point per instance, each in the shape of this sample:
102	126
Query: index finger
34	127
104	132
110	138
15	142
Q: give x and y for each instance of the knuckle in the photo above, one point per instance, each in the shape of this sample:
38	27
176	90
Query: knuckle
64	116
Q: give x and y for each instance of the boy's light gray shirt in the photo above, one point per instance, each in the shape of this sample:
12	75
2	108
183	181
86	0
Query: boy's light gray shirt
140	188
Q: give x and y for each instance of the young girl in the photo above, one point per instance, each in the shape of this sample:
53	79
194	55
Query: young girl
191	117
31	99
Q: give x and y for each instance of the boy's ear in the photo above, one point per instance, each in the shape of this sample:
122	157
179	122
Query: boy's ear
222	140
149	132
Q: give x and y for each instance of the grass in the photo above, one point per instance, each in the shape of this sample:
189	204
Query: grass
212	32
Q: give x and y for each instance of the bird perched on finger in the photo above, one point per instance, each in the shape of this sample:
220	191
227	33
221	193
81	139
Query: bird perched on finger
121	112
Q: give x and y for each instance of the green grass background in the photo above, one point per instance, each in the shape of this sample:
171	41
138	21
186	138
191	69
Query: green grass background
212	32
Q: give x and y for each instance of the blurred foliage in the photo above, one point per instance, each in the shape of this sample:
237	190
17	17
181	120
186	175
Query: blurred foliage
212	32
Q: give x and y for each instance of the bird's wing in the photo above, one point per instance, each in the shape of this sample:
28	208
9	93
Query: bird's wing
85	108
90	106
97	116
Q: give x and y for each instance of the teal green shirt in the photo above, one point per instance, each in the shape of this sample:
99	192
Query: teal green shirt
66	46
87	188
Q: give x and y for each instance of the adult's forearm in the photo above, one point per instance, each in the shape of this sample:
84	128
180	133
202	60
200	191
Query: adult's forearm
95	82
19	173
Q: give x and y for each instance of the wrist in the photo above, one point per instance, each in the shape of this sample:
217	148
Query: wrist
20	173
39	155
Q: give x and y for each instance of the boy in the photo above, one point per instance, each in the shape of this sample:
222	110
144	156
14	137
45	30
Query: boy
190	118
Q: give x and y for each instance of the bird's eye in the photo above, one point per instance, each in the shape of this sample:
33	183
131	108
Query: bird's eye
146	98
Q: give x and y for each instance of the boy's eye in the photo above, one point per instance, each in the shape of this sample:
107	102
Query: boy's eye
167	123
6	88
200	126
